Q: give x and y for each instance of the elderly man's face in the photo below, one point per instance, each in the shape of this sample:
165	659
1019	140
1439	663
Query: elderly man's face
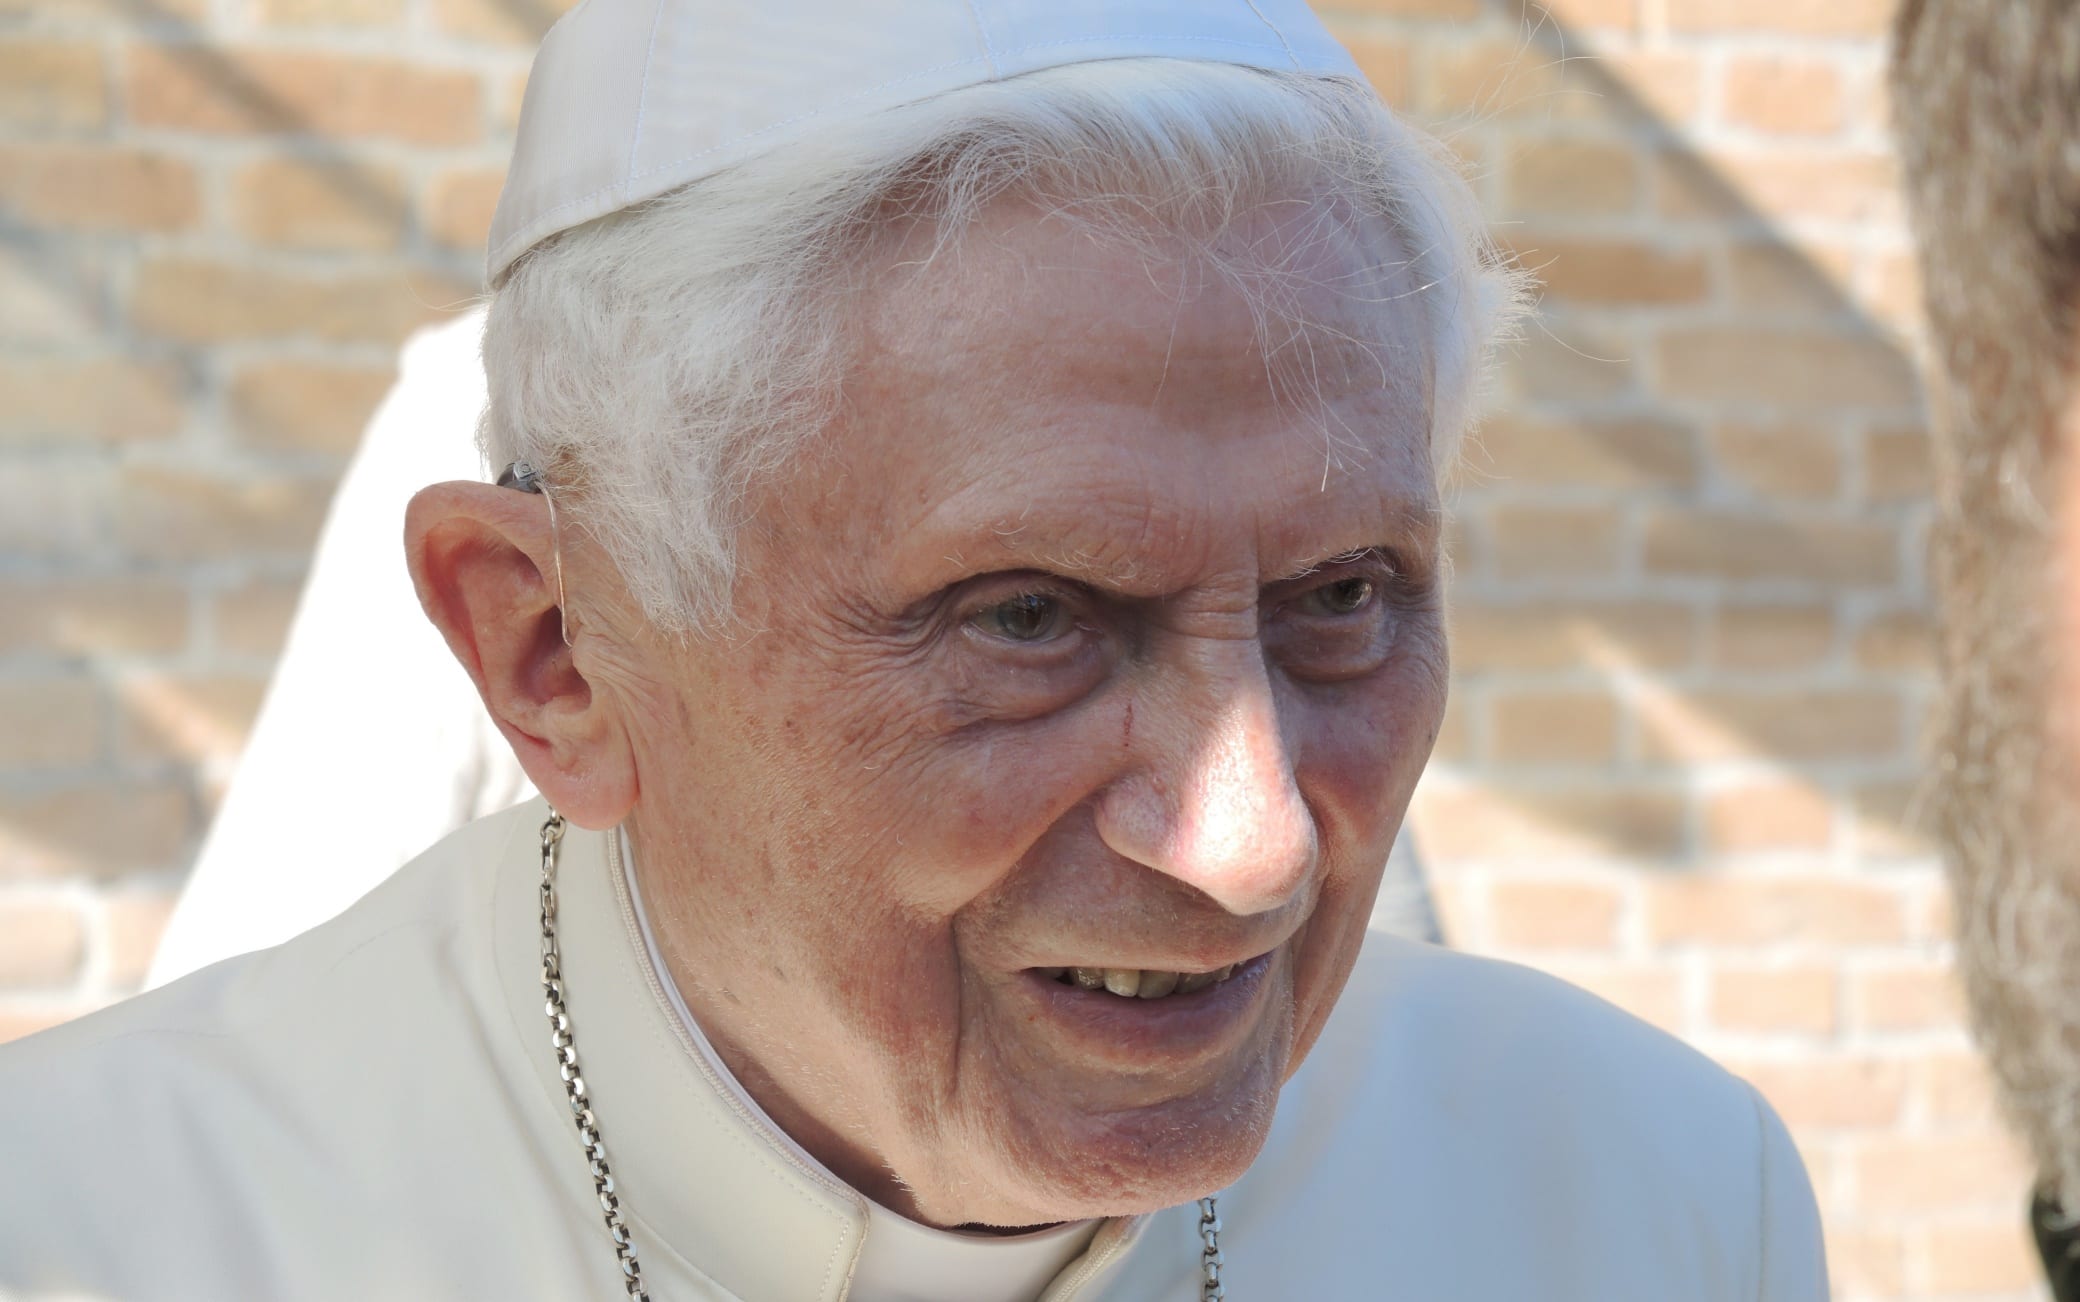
1084	640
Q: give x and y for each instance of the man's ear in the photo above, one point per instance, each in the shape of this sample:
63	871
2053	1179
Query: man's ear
484	563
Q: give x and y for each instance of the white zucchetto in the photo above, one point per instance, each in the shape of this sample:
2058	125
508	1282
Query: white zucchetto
631	98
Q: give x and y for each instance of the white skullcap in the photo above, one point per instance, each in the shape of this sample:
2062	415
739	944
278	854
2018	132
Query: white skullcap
631	98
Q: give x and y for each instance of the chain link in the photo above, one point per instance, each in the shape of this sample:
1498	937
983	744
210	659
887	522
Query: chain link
573	1078
1210	1259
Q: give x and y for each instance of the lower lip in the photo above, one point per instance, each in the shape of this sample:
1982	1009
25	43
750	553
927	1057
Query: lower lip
1166	1031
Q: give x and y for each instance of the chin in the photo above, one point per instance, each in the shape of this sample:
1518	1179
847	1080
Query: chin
1141	1160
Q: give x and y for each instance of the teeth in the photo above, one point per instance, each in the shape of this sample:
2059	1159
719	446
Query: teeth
1138	983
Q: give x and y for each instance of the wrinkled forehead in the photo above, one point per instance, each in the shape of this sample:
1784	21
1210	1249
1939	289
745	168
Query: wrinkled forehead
1303	300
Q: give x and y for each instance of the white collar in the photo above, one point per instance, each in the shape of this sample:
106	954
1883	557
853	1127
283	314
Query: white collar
900	1260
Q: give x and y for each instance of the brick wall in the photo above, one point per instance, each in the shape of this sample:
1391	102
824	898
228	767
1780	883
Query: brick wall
1690	589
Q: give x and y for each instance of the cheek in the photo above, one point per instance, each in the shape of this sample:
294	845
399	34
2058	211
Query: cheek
1364	743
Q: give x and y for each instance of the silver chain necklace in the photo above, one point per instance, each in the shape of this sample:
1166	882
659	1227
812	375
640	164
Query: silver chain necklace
1210	1260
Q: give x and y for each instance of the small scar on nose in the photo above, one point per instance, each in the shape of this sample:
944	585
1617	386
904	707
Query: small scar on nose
1126	726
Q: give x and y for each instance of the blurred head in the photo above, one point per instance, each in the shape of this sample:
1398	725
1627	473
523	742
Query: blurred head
1001	542
1987	107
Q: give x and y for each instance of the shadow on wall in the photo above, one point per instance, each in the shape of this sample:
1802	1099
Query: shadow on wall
1690	608
1689	596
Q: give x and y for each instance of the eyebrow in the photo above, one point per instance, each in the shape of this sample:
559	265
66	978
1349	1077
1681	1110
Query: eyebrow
1409	522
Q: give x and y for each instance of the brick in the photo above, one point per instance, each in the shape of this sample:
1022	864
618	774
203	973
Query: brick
1554	915
1449	10
1546	177
1718	909
1455	740
1613	272
50	723
253	620
1611	15
199	720
1772	638
329	13
1505	81
459	205
499	21
1384	63
202	302
1664	84
1652	992
41	944
1864	18
1898	642
1798	368
1895	296
1775	461
1568	361
49	297
99	831
1957	1090
1765	546
1922	997
185	515
79	617
1686	188
1737	723
1996	1257
1768	816
1780	1000
1588	452
1607	636
135	920
75	401
222	90
1783	96
54	511
1833	1093
1553	727
511	94
1866	1263
1898	465
52	86
1529	541
80	188
1827	186
1937	920
306	406
329	205
1495	821
1786	280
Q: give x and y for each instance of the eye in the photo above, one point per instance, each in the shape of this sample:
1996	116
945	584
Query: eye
1346	596
1027	617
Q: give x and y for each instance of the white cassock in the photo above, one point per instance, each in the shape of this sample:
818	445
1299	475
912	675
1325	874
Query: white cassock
372	1111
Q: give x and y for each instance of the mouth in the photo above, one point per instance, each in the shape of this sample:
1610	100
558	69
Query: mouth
1171	1022
1138	983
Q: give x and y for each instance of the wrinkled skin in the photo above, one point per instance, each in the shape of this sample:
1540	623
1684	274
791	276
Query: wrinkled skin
1083	636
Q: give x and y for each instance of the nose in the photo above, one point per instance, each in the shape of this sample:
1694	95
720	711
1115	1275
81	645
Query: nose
1211	798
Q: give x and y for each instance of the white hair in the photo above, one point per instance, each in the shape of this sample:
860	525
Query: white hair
657	361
